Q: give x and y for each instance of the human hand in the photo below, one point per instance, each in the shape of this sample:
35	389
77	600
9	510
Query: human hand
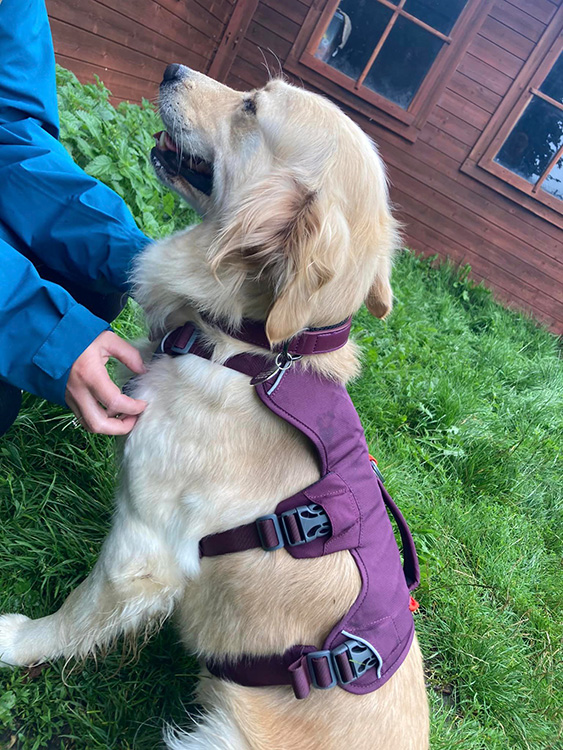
94	398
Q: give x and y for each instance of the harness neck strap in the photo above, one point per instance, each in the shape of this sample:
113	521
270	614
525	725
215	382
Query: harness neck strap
310	341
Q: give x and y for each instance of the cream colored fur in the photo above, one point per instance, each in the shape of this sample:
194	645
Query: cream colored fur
297	233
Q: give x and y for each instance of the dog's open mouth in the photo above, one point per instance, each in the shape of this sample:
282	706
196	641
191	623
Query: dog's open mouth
196	171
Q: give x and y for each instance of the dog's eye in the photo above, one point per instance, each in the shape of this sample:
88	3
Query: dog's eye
249	105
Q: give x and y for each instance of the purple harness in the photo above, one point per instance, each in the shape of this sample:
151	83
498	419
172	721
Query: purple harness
345	510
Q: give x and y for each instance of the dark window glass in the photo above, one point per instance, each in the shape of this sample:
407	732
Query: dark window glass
440	14
352	35
533	141
553	183
403	62
553	84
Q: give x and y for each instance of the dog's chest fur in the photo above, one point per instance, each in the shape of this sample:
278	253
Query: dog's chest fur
207	455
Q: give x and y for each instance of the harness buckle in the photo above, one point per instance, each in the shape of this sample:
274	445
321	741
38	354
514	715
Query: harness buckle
343	664
304	524
353	658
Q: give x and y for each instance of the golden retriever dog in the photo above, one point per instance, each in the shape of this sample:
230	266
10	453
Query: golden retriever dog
297	232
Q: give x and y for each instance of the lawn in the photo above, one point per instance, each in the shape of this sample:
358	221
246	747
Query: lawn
462	402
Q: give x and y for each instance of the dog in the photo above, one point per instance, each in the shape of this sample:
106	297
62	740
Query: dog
297	232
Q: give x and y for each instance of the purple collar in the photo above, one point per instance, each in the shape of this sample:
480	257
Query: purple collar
310	341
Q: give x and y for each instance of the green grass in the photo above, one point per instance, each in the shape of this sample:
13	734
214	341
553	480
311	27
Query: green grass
462	404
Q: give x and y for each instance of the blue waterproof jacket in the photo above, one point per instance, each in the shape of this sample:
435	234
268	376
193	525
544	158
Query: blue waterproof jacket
50	210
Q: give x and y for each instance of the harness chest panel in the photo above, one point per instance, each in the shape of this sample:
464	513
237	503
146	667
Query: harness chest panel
356	503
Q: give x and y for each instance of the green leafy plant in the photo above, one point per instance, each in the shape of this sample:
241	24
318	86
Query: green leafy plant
113	145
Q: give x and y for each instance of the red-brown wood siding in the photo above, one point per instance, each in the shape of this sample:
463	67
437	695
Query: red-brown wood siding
517	253
129	43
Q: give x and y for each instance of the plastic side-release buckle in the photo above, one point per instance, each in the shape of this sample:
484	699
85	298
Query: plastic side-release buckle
343	664
296	526
304	524
354	658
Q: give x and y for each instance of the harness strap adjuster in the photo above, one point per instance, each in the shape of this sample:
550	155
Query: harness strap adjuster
294	527
269	532
321	669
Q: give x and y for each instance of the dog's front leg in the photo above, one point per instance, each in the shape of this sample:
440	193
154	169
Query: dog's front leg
135	581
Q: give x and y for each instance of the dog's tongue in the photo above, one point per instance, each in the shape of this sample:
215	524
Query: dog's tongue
164	142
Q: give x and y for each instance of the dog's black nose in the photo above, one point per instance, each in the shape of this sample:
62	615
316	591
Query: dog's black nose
172	72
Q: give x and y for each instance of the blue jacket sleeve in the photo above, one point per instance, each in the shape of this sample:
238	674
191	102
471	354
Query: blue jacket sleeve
42	329
73	223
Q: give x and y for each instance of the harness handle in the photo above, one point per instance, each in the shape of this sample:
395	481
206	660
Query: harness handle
411	567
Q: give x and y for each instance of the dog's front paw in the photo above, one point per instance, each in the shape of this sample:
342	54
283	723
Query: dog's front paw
10	633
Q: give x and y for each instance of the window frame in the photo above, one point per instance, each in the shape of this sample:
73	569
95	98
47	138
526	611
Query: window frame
480	163
302	62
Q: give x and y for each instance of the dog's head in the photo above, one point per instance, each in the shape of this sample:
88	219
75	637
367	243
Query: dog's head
294	192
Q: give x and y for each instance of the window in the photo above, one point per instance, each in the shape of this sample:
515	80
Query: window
393	55
521	150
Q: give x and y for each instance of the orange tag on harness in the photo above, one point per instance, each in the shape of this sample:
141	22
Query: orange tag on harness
413	604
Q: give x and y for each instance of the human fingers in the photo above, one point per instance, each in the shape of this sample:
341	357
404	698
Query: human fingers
94	418
120	349
108	394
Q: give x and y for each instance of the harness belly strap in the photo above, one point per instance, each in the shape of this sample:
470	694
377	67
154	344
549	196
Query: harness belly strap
347	509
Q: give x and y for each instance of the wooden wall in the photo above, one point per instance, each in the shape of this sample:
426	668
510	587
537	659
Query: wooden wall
517	253
445	211
128	43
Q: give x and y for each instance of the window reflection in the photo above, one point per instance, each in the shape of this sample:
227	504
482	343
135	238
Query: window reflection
412	36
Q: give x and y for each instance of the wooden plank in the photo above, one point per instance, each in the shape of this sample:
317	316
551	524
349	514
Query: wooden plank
234	34
427	241
474	92
516	19
464	109
506	38
511	278
542	10
237	83
121	85
246	71
169	25
495	56
490	209
451	219
445	143
453	125
277	22
88	47
220	9
264	63
292	9
484	74
114	26
478	213
193	14
268	40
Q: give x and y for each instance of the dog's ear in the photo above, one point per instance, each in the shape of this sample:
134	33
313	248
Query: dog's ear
281	231
380	296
